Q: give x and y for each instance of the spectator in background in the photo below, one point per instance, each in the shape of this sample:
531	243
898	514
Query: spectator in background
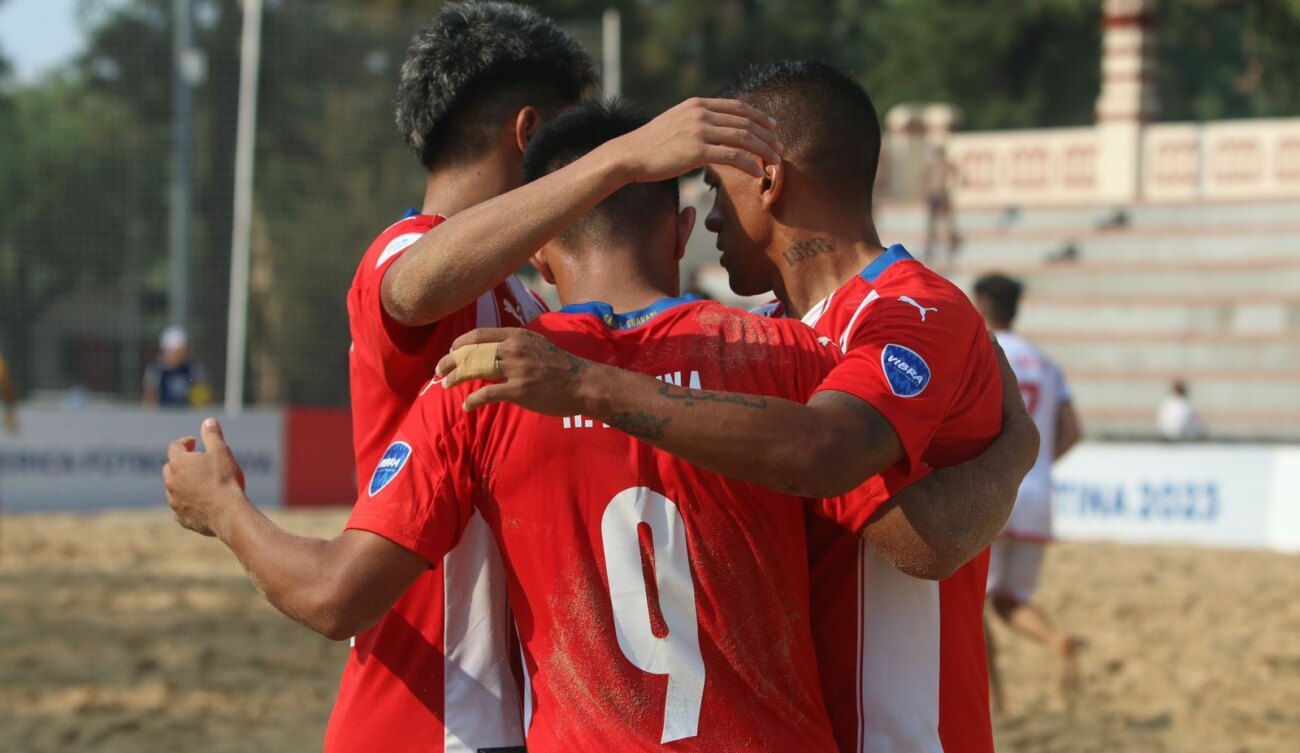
939	177
173	379
1016	556
1177	418
9	396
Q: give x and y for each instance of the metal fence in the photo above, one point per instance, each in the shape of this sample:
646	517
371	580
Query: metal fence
90	172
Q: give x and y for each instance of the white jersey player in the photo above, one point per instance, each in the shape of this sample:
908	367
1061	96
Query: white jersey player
1016	557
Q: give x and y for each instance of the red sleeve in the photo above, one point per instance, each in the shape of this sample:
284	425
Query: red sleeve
907	369
853	510
382	332
421	494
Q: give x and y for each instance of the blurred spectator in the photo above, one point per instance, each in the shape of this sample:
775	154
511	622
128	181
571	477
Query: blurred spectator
10	398
173	379
1177	418
939	177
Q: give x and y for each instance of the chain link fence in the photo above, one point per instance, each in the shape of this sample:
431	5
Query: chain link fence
87	166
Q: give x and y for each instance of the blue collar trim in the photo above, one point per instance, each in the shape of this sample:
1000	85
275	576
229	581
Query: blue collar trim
894	253
631	319
411	213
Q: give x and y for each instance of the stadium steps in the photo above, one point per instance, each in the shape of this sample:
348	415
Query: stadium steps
1205	293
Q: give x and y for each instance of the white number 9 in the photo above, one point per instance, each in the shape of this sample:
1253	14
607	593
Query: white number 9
676	654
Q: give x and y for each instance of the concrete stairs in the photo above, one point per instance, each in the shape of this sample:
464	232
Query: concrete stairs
1206	293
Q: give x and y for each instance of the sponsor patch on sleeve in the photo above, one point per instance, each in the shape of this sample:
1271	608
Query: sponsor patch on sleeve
391	464
397	246
905	370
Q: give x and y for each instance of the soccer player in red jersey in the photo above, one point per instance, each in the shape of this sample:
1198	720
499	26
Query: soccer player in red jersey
657	603
919	384
477	80
652	608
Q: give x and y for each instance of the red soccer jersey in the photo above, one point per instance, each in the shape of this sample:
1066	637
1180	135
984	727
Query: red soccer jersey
657	603
918	352
421	680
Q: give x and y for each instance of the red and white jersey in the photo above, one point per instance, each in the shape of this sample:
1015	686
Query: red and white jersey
1043	386
434	675
660	607
918	352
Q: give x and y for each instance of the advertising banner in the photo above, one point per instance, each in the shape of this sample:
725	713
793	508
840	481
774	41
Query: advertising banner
65	460
1214	495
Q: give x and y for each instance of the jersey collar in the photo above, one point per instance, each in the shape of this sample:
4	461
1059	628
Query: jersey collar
631	319
892	255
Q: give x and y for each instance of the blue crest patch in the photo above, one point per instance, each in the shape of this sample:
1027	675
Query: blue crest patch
905	370
391	464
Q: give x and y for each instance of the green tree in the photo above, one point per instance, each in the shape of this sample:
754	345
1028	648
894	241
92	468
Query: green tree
84	154
1229	59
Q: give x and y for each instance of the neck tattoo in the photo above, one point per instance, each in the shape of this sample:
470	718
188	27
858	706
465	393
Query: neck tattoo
805	250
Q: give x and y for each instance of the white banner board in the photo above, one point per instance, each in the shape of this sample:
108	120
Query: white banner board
1204	494
95	459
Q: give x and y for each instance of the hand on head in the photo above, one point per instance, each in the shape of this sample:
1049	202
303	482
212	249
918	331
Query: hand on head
701	132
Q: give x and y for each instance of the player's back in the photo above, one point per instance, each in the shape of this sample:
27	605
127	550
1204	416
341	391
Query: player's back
657	602
1043	387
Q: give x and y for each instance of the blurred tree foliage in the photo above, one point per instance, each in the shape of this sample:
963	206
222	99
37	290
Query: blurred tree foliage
84	162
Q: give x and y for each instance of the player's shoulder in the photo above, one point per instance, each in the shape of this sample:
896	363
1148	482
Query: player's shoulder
764	325
910	291
773	309
437	408
395	239
1020	350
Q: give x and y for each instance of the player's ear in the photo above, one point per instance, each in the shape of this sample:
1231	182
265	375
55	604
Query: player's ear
527	121
543	266
771	185
685	224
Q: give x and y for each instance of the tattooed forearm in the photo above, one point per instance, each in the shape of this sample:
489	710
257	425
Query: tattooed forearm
639	424
858	407
690	397
806	249
575	364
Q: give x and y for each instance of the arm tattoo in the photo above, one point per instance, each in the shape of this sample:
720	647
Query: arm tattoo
806	249
690	397
575	364
860	408
640	424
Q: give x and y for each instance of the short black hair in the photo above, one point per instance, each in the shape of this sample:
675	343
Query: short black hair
576	132
475	63
825	119
1003	295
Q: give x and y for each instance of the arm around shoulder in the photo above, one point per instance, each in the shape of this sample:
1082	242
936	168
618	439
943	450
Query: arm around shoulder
935	526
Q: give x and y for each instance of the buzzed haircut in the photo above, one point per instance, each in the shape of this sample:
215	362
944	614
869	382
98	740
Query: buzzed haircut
825	119
476	63
1002	294
574	133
